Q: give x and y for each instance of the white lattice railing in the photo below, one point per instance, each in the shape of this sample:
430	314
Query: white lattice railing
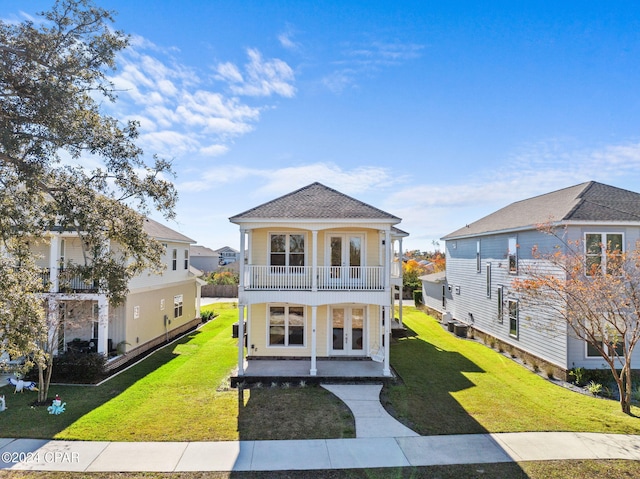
362	278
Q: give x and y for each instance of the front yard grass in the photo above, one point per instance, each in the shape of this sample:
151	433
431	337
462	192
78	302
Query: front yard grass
458	386
181	393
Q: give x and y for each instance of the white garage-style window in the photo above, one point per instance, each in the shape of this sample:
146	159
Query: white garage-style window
286	325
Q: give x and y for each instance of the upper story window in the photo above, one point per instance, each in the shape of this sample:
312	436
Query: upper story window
513	255
186	259
286	249
514	319
478	259
488	273
603	252
174	260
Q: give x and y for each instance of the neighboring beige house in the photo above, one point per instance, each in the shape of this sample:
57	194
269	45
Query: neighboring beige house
318	281
158	306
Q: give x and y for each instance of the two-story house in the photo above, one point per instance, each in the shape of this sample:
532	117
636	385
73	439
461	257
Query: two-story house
484	257
317	283
158	307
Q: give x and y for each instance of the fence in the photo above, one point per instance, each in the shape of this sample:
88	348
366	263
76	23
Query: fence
219	291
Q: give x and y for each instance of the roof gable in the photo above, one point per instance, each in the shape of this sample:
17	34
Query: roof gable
591	201
315	201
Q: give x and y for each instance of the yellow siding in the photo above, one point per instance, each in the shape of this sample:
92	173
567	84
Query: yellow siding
151	324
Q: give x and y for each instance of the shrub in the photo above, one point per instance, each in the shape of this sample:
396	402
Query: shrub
578	375
72	367
207	315
417	298
594	388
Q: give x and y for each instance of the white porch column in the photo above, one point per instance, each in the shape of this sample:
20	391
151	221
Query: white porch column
386	370
241	284
241	336
103	325
54	257
387	259
314	261
314	313
401	283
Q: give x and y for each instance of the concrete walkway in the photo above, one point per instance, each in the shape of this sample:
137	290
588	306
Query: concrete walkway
398	447
372	420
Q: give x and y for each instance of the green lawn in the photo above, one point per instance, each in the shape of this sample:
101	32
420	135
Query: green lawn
458	386
181	393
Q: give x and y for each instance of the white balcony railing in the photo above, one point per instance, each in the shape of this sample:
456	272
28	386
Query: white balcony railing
329	278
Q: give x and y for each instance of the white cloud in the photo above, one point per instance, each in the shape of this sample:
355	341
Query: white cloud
286	40
214	150
261	78
368	58
179	112
277	181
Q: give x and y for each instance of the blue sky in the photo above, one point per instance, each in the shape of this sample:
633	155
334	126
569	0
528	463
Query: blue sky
437	112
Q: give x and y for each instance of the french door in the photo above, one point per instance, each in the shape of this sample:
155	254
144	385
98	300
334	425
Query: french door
346	258
347	331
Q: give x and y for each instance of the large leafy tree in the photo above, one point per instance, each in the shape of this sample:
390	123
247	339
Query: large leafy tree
65	164
592	289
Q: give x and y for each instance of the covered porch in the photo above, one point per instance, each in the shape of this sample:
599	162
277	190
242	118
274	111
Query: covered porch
329	369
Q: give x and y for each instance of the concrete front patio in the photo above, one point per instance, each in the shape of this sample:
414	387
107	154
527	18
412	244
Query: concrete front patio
333	370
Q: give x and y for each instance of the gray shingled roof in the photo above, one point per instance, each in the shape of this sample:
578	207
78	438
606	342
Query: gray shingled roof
591	201
312	202
161	232
199	250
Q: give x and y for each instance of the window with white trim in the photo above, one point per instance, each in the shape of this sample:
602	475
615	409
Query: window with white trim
478	259
488	271
286	325
513	255
603	252
174	260
177	305
186	259
514	325
500	303
286	249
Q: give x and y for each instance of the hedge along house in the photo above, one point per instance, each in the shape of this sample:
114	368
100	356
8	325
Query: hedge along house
158	307
484	257
317	284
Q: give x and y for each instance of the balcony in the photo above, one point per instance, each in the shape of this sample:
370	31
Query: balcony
68	283
300	278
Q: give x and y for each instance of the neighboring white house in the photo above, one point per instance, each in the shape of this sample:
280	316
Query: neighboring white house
205	259
317	283
485	256
158	306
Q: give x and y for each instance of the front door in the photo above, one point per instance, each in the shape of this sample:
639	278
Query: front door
347	327
346	258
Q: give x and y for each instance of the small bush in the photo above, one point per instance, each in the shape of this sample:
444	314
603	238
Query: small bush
207	315
594	388
578	375
417	298
72	367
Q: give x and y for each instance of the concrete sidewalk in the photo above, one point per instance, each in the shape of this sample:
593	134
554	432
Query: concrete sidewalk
399	446
81	456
